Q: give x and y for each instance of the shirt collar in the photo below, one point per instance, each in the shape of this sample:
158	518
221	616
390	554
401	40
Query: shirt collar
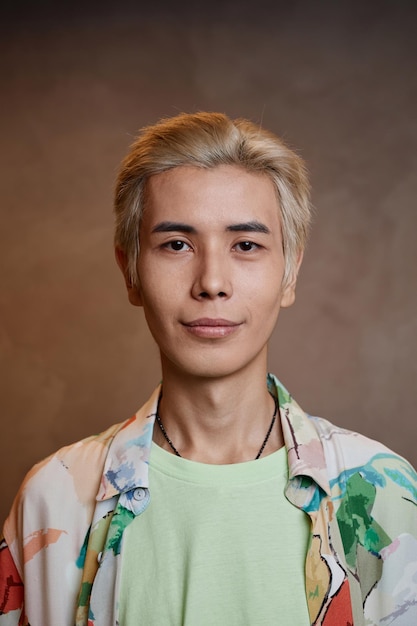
127	461
302	440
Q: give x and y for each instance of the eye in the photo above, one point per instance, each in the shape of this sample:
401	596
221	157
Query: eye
177	245
247	246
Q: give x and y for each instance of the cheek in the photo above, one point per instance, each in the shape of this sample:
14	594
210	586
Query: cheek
155	305
266	290
159	307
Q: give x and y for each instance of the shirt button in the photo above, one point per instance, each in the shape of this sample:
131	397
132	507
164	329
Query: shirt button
139	494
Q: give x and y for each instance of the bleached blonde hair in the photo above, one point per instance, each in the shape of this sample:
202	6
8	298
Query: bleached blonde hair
207	140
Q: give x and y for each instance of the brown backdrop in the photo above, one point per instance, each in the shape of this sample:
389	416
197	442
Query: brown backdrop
338	80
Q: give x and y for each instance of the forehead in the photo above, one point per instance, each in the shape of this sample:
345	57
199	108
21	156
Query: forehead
216	193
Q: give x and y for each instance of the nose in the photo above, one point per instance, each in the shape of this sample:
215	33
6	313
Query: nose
212	277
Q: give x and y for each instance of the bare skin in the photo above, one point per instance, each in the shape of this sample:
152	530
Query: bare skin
210	269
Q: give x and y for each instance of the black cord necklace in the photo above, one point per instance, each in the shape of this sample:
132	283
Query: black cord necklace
174	449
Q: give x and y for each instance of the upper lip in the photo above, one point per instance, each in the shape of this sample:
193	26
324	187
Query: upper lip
209	321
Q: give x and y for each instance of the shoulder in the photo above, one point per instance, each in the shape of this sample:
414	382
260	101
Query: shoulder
62	491
345	449
369	481
59	493
76	467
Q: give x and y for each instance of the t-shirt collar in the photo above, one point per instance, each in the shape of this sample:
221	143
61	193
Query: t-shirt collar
127	461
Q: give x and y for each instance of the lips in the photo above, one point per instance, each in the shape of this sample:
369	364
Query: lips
211	327
208	321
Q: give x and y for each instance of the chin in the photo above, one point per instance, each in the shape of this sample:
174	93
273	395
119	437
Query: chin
210	368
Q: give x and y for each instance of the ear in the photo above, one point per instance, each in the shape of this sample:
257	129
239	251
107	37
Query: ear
133	291
288	292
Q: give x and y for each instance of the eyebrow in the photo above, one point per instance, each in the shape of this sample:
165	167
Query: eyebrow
246	227
249	227
168	227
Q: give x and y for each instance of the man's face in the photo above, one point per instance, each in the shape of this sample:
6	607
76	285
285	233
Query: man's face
210	269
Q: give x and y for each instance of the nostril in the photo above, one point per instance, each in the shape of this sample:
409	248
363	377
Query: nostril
205	294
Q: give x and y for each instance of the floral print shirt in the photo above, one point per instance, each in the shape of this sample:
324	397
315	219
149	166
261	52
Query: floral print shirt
63	540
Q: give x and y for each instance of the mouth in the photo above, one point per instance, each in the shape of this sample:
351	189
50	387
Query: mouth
211	327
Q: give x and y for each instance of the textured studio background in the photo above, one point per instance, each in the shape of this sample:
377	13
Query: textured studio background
336	79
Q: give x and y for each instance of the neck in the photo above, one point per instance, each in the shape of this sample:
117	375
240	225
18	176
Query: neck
218	421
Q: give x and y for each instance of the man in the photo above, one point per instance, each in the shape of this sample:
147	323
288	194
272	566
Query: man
221	501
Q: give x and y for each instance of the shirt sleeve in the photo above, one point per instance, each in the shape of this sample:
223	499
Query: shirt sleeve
11	590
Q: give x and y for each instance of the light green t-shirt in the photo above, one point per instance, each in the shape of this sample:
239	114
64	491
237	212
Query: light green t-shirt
219	545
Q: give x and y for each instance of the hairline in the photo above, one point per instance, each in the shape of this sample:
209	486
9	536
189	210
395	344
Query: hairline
205	141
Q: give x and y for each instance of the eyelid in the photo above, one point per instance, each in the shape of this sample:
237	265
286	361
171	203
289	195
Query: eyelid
173	240
255	245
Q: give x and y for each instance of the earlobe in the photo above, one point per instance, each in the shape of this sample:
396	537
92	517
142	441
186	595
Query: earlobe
133	291
288	292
